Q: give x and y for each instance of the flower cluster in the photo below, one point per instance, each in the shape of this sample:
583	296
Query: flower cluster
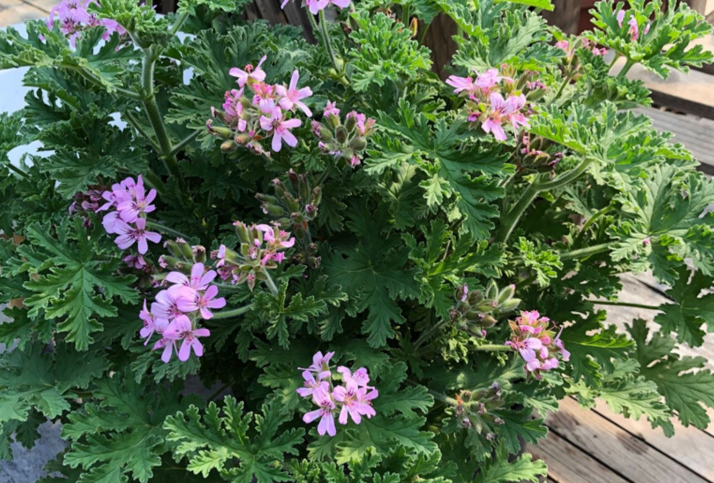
261	112
262	248
634	26
74	19
343	141
570	48
130	204
477	410
176	311
316	5
352	399
477	310
295	204
486	104
536	155
537	343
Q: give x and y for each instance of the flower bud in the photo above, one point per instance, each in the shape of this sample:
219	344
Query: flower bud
487	321
509	305
266	198
243	233
227	146
316	196
350	123
274	210
223	132
491	290
341	133
199	253
358	143
506	293
333	120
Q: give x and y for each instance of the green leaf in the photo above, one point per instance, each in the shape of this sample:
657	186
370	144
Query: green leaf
683	381
664	223
223	440
386	52
546	4
71	289
543	261
123	434
500	470
664	46
32	379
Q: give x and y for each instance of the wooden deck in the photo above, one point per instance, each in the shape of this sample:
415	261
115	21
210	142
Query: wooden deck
598	446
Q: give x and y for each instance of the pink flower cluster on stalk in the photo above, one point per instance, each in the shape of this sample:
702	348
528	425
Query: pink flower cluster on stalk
176	312
74	19
352	399
343	141
632	22
262	247
130	203
537	343
316	5
569	49
486	104
258	110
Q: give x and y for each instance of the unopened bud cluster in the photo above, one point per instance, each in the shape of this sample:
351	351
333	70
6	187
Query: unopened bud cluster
344	141
475	410
261	248
182	256
572	66
536	154
478	310
295	204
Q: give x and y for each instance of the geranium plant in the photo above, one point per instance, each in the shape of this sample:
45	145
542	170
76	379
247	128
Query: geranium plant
376	275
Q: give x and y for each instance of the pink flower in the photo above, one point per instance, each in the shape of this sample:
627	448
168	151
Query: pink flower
198	280
201	302
461	84
130	209
563	45
275	241
331	109
311	385
280	128
292	96
326	413
128	235
504	111
180	329
316	5
166	304
354	402
483	84
151	324
620	17
464	292
321	364
244	76
112	221
135	261
634	28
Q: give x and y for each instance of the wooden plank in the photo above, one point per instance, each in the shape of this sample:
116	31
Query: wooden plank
565	15
15	11
690	93
698	5
297	16
270	11
690	446
696	134
568	464
627	455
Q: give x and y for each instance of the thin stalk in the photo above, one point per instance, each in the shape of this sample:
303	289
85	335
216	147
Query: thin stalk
566	178
585	252
614	61
328	44
625	304
579	239
565	82
165	229
271	285
227	314
155	182
494	348
179	22
17	170
98	82
135	124
626	68
185	142
510	219
526	281
443	397
428	333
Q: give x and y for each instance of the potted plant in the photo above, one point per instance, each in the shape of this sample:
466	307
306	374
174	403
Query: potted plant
381	276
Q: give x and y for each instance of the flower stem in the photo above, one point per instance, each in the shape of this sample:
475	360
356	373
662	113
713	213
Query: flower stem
585	252
326	40
155	181
271	285
510	219
588	224
565	82
614	61
185	142
227	314
443	398
17	170
626	68
625	304
494	348
165	229
428	333
179	22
